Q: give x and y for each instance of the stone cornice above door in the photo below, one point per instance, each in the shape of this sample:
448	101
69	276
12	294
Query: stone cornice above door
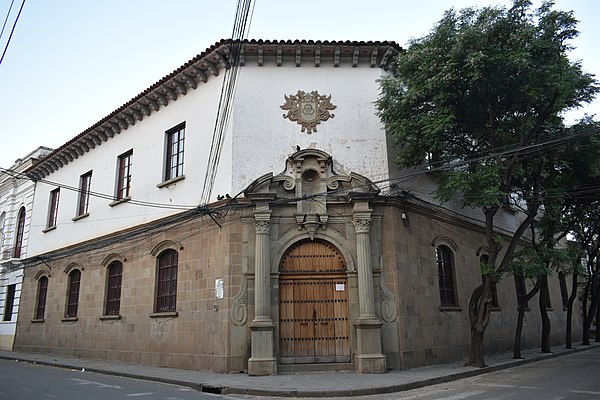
310	182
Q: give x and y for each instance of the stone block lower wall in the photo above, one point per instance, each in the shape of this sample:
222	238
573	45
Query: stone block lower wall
196	336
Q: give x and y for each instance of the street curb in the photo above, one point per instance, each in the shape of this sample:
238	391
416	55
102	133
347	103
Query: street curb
404	386
224	389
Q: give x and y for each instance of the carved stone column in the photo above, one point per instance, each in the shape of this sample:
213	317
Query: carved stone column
262	360
369	357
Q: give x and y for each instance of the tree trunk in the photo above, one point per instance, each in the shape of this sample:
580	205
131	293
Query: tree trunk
589	318
597	324
519	328
572	297
546	325
591	287
479	312
585	340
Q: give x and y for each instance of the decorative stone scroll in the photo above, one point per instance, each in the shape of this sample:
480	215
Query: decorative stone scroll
239	309
388	304
308	109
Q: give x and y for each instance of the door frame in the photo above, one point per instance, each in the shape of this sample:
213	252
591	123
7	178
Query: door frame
342	352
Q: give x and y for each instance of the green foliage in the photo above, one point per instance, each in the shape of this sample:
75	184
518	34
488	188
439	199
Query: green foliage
534	262
476	93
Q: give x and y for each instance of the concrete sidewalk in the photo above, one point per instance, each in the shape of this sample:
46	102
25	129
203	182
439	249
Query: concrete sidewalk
312	384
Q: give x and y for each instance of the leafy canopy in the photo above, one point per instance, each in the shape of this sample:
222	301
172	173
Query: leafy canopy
482	90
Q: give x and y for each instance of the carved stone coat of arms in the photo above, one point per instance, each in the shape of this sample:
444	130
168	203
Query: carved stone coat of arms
308	109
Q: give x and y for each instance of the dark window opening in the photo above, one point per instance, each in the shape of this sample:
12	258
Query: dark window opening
113	292
85	182
73	296
10	302
166	296
19	235
124	175
446	276
175	149
41	302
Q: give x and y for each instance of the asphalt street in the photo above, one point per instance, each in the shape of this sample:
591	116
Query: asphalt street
27	381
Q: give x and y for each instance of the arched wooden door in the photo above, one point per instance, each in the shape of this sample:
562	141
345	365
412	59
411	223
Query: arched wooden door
313	305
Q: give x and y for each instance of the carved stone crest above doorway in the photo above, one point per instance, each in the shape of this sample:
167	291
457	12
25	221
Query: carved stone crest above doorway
309	181
308	109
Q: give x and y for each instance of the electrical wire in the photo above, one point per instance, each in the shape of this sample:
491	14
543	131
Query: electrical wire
6	19
11	32
104	196
240	30
523	150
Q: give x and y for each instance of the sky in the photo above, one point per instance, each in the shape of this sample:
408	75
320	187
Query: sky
72	62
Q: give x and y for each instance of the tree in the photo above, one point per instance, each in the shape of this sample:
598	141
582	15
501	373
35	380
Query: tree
475	97
586	231
578	213
567	171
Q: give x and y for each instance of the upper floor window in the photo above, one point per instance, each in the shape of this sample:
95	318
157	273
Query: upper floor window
40	309
53	208
85	182
9	302
73	294
166	291
19	233
124	175
113	290
175	145
446	276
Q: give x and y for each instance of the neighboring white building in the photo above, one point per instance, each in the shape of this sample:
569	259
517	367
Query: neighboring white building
16	201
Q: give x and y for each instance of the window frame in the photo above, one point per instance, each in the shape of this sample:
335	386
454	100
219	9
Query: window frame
18	245
114	280
83	202
9	302
53	208
124	166
167	265
42	293
174	152
73	290
446	276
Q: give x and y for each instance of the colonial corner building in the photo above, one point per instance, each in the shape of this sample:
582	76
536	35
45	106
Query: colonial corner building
244	213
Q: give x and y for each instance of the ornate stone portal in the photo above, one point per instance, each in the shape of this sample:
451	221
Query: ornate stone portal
310	182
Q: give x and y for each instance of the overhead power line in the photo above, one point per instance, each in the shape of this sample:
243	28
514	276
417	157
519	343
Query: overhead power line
522	150
6	19
12	30
240	31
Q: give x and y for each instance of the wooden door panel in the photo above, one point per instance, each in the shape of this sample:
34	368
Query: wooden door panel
314	326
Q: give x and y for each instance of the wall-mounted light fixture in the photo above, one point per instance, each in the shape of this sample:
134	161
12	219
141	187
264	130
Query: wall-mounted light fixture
405	220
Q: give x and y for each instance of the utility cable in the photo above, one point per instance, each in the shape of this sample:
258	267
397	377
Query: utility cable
226	98
12	31
6	19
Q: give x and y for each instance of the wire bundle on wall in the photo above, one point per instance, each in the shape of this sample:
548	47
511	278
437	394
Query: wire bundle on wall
240	30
